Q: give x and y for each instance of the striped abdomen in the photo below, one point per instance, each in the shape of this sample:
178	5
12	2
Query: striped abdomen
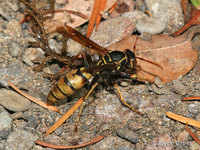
68	84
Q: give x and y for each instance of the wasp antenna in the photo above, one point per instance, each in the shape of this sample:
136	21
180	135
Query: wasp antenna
150	62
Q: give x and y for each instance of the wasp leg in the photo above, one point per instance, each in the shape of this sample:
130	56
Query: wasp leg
81	109
123	101
134	76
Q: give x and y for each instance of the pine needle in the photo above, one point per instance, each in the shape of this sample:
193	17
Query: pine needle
183	119
65	116
192	134
33	99
191	98
70	147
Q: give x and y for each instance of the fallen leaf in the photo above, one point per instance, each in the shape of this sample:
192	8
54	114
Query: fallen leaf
175	55
82	6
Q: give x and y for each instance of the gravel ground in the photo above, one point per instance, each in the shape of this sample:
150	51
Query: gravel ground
22	122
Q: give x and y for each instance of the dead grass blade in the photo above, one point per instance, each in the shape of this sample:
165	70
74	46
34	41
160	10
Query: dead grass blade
98	18
69	147
65	116
33	99
113	7
192	134
191	98
93	17
98	7
183	119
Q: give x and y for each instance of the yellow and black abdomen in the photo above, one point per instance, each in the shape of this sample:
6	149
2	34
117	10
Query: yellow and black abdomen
68	84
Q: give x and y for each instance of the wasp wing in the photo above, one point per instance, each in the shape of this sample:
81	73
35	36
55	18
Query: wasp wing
71	33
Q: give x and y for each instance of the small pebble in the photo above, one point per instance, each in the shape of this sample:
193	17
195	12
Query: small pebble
197	86
73	47
179	88
32	121
135	126
30	55
58	131
158	82
128	135
55	46
160	142
14	49
13	101
49	121
13	29
198	117
20	140
134	16
111	142
194	108
194	145
17	115
110	108
150	25
5	124
183	136
168	12
2	143
157	90
53	139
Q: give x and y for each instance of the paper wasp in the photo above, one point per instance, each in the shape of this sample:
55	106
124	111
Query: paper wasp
120	64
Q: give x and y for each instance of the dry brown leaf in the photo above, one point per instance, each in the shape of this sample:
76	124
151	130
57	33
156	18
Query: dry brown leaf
175	55
82	6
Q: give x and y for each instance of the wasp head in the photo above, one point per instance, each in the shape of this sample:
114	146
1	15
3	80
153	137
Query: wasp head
131	59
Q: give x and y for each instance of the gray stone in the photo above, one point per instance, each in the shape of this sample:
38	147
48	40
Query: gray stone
150	25
134	16
179	88
13	101
169	12
129	135
194	108
5	124
20	140
14	49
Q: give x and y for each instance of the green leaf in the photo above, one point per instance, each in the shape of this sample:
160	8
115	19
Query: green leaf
196	3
